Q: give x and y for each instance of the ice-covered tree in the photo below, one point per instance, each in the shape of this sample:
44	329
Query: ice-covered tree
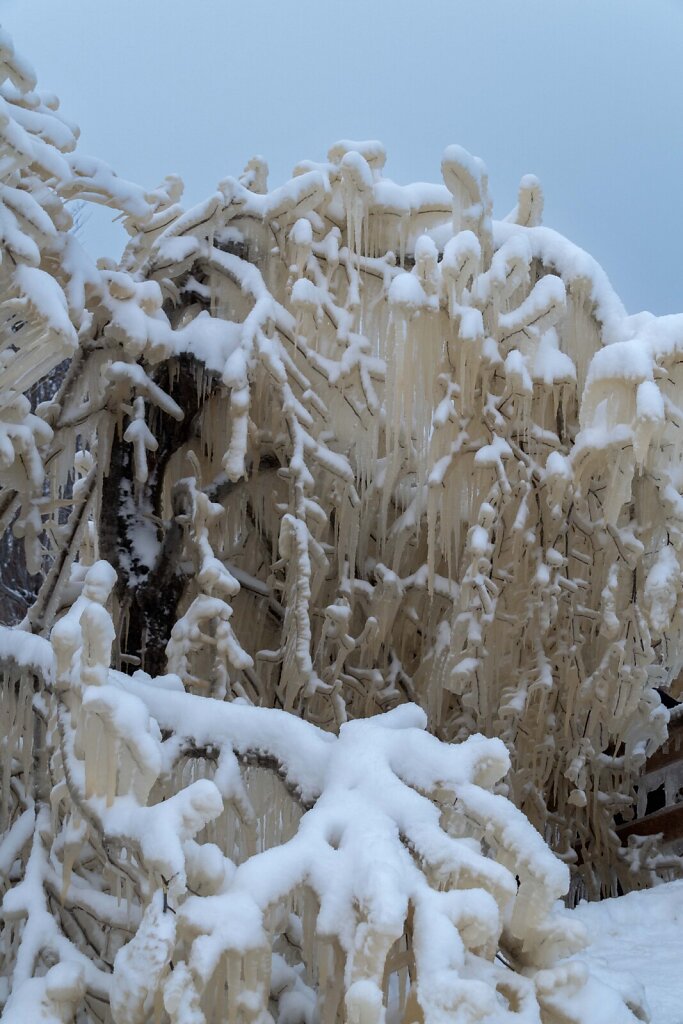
361	524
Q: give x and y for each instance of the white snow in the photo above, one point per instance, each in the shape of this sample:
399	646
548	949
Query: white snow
637	940
212	340
27	652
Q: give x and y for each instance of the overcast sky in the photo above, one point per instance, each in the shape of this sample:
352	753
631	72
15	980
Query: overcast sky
587	94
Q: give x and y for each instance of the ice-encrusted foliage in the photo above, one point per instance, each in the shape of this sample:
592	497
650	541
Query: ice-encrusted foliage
194	860
351	499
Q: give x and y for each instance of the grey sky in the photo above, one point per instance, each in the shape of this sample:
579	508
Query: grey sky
587	94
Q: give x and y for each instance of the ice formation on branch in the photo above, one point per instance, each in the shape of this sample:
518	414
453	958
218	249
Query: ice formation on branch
341	479
196	860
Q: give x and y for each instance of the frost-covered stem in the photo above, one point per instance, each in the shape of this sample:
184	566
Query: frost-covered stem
49	596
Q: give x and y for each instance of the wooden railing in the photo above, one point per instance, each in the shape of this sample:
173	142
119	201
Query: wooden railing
662	782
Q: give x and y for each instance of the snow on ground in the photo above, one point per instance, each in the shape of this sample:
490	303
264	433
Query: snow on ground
640	936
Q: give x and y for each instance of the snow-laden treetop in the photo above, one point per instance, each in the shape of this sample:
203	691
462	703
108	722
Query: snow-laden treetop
331	467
